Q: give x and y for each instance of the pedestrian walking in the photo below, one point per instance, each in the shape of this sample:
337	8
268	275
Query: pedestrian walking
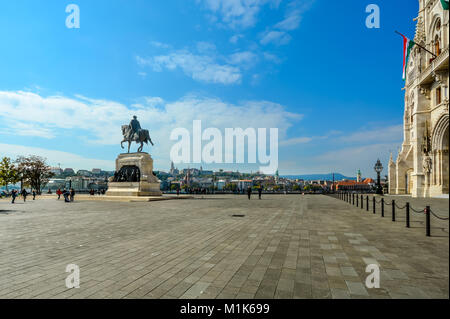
58	192
259	192
72	194
24	193
66	193
13	196
34	194
249	192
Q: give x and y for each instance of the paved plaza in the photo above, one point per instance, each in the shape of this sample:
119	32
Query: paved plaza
283	246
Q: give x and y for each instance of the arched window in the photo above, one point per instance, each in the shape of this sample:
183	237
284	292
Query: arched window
437	48
437	37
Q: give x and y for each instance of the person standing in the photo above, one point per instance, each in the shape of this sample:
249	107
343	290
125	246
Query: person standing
58	192
259	192
13	196
249	192
24	194
72	194
34	194
66	193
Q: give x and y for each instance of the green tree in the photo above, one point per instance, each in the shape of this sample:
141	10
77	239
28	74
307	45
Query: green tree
8	173
34	171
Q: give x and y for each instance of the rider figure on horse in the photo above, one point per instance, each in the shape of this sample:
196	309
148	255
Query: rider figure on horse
135	127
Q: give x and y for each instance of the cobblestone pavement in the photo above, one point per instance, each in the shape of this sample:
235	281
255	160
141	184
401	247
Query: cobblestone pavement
286	246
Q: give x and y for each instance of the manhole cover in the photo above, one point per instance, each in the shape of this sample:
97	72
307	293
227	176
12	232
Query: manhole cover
237	215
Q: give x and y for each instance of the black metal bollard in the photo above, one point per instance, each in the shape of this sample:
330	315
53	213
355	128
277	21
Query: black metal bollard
362	202
393	210
357	201
407	215
373	204
367	203
382	207
428	221
353	199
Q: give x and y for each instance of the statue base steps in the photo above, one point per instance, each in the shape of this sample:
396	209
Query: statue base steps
133	189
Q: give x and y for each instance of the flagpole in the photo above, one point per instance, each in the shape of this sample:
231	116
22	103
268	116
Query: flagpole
418	45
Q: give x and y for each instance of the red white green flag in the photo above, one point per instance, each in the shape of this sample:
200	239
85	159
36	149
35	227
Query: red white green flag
407	46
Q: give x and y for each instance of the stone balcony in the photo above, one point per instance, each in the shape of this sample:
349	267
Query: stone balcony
438	64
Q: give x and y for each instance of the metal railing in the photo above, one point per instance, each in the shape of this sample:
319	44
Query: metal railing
358	201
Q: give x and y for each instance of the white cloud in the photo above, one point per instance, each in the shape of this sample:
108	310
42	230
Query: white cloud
246	57
199	67
160	45
237	13
142	74
275	37
206	47
25	129
291	22
235	38
93	117
54	157
272	58
295	141
278	33
385	134
349	160
99	121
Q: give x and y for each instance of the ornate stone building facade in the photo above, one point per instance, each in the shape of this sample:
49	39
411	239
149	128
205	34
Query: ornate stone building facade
422	166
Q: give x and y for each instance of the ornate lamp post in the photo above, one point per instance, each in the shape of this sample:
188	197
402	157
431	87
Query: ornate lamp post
378	168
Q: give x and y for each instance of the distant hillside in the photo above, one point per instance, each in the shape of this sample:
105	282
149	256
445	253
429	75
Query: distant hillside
328	177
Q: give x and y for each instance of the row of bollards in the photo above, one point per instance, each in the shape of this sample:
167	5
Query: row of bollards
358	200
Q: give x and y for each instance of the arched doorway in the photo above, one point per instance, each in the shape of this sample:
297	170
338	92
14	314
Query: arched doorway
440	143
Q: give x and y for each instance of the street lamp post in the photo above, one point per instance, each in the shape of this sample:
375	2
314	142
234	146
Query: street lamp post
379	168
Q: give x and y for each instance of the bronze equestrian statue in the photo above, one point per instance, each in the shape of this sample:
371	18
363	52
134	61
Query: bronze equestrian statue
134	133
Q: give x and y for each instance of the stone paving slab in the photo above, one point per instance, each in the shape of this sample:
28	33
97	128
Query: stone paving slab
286	246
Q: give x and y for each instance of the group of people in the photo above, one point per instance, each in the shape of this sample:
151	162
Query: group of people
24	193
249	192
69	195
92	192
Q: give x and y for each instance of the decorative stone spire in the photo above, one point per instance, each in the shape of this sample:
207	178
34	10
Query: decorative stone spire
391	160
420	31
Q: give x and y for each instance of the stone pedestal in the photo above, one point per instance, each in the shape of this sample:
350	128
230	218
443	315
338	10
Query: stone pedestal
146	183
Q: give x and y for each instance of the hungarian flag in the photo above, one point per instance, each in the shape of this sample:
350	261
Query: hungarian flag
407	46
445	4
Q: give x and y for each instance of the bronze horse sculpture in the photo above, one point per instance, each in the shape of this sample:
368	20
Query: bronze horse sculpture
142	137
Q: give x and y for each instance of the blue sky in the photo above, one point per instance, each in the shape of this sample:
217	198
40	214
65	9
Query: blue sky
309	67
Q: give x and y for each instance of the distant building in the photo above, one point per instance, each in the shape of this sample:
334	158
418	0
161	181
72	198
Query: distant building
56	170
96	171
244	184
356	186
83	172
173	171
220	184
55	183
69	171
